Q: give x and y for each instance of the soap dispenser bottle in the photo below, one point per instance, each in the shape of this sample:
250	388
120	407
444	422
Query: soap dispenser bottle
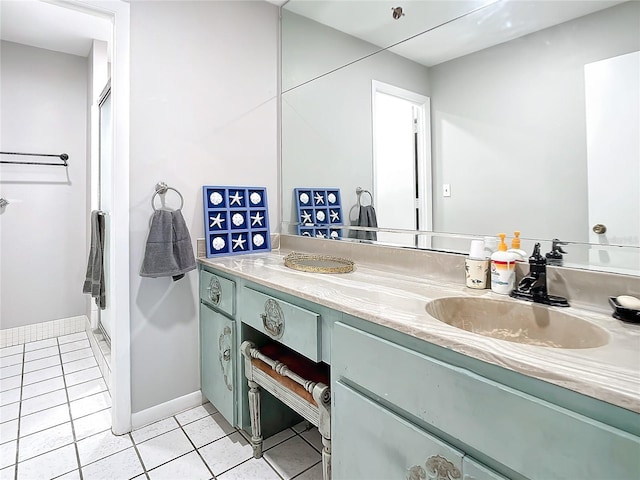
503	268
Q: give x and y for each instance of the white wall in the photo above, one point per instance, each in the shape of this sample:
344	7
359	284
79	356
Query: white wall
43	251
203	112
509	129
326	123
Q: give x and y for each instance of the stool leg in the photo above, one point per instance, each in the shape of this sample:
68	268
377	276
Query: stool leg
326	459
254	410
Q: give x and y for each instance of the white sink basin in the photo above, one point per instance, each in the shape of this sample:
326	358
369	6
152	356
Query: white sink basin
530	324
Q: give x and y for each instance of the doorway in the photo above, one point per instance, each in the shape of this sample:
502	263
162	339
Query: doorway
401	163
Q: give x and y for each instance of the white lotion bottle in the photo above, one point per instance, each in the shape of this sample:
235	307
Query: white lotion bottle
503	268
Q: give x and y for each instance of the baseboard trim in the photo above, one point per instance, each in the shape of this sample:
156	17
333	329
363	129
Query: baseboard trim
166	409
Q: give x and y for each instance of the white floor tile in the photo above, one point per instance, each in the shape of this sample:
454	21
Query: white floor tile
82	376
11	360
11	371
164	448
91	404
40	375
50	465
9	383
45	441
92	424
8	430
8	473
292	457
43	420
314	438
31	346
72	337
9	412
6	351
41	363
253	469
42	402
77	355
9	396
188	466
226	453
70	347
155	429
78	365
87	388
42	353
208	429
8	454
43	387
75	475
101	445
314	473
196	413
276	439
122	465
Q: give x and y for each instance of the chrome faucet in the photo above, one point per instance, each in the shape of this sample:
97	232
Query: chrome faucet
533	287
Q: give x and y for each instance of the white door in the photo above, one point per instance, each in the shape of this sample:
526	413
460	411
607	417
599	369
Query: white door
612	91
402	162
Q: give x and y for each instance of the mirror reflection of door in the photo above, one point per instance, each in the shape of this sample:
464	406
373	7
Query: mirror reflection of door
104	196
401	163
612	91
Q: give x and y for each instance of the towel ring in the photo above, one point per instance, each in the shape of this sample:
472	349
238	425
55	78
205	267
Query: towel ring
359	192
161	189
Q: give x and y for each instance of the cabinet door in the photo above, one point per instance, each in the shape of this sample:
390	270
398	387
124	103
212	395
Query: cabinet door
217	361
473	470
371	442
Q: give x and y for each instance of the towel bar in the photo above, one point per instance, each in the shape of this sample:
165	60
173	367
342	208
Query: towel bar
161	189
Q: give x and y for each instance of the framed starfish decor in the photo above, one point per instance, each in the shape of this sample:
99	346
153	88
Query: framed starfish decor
319	212
236	220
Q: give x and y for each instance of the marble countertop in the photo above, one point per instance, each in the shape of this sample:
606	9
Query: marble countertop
397	299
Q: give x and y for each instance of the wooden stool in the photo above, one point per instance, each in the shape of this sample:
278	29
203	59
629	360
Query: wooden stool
297	382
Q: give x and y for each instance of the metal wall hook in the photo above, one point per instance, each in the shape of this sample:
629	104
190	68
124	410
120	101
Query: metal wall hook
3	202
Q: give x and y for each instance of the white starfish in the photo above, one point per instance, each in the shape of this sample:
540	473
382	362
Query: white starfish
235	198
238	243
335	216
306	217
319	198
216	221
257	220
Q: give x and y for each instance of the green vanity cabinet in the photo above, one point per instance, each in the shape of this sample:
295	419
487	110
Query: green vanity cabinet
514	433
218	346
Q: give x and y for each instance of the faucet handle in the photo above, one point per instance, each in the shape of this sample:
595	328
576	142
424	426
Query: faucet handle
555	255
536	257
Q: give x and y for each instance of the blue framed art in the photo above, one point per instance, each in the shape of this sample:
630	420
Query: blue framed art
319	212
236	220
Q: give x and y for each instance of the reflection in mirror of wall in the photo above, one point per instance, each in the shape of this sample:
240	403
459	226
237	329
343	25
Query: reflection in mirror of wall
534	118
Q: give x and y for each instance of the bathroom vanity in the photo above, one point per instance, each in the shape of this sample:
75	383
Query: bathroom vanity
414	397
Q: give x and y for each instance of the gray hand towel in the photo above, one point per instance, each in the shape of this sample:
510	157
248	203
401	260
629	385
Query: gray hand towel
168	251
367	218
94	278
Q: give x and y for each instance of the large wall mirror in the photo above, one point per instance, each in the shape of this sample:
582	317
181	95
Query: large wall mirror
469	118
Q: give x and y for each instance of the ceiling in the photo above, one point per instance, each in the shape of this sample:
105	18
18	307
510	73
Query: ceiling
46	25
458	31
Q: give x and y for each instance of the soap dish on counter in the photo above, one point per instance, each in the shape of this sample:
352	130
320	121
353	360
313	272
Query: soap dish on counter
623	313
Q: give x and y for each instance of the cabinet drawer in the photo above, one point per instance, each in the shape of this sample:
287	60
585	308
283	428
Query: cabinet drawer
528	435
218	292
370	442
289	324
217	361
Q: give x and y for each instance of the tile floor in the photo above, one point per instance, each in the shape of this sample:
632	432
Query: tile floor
55	423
